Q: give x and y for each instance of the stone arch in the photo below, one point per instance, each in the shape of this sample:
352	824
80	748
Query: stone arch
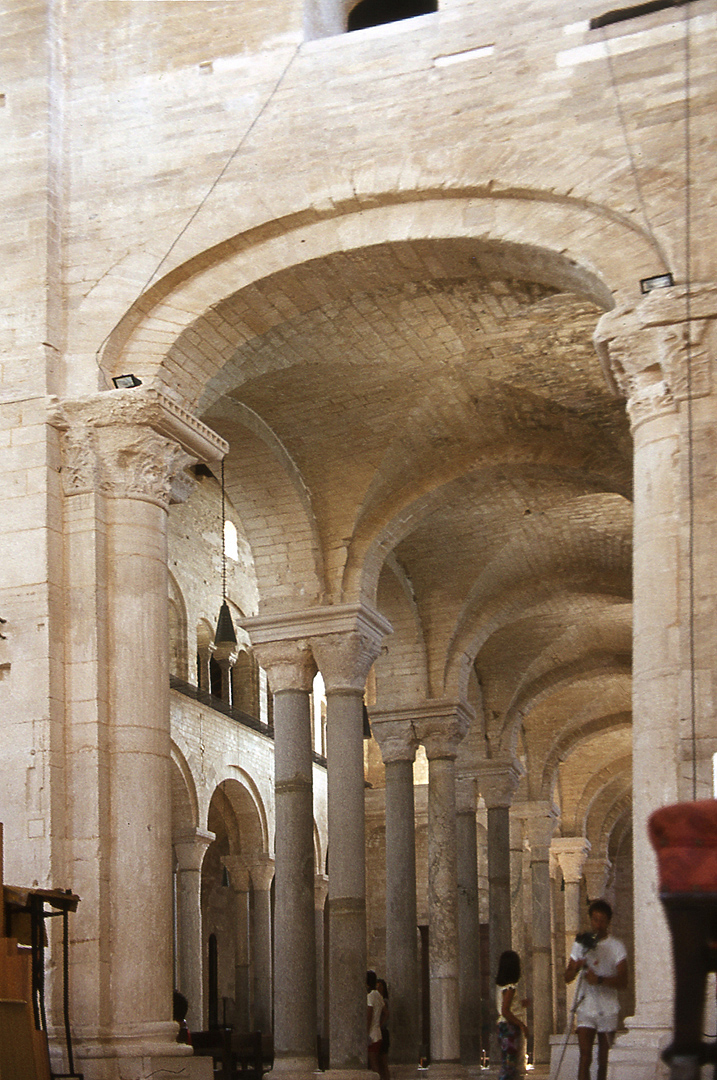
606	808
570	736
569	243
246	820
204	641
185	804
586	669
319	855
595	787
178	639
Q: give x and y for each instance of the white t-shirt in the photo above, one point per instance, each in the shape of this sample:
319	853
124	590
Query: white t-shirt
375	1001
516	1006
603	960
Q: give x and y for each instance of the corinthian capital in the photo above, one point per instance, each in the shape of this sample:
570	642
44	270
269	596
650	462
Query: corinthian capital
657	351
498	779
131	444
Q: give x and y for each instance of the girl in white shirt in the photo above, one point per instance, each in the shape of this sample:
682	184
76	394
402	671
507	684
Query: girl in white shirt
512	1028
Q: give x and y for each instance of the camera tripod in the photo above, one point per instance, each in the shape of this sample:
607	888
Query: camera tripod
577	999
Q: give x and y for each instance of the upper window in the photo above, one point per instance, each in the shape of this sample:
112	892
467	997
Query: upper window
374	12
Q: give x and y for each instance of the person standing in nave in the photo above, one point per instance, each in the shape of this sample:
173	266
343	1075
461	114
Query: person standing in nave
602	960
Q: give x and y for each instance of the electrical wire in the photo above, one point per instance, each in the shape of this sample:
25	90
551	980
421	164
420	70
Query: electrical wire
690	423
628	147
217	180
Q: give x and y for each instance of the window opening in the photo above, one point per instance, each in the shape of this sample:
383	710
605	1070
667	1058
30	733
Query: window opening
231	541
375	12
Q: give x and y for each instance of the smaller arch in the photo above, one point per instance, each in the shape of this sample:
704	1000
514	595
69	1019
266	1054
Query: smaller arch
178	637
244	797
185	804
570	736
319	857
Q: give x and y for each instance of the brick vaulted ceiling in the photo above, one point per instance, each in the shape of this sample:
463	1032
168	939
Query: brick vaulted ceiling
430	428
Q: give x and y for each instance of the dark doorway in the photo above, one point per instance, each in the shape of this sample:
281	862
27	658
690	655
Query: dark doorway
376	12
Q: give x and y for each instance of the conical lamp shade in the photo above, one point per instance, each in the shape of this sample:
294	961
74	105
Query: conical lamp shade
226	634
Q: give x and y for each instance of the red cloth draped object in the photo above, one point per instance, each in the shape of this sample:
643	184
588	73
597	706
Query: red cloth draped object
684	837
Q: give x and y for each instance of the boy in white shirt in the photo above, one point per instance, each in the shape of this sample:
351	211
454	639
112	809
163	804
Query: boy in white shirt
604	961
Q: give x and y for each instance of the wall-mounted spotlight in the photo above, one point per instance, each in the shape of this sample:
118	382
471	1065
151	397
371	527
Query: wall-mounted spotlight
124	382
660	281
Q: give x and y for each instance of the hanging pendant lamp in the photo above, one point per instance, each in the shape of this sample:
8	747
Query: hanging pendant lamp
225	633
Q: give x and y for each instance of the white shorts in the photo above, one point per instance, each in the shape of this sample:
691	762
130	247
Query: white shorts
605	1023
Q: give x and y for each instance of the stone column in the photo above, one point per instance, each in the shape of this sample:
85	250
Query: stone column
190	849
240	883
124	455
321	892
226	655
291	669
344	653
659	352
540	825
397	741
571	853
469	968
440	727
497	780
262	874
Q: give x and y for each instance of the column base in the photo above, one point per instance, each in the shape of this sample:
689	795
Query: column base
349	1074
636	1053
159	1067
295	1068
443	1070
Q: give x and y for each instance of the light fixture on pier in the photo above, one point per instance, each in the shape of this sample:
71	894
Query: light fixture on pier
126	382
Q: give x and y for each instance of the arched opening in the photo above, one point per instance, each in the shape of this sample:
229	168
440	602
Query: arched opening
375	12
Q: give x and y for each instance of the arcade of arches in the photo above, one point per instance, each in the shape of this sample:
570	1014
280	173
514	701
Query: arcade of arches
386	284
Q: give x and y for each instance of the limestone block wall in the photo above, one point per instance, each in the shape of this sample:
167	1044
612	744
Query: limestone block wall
158	107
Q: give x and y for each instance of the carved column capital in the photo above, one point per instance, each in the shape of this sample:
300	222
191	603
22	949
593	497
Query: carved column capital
289	664
131	444
540	820
191	847
395	736
441	726
466	795
570	853
345	639
261	871
644	348
498	779
345	658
